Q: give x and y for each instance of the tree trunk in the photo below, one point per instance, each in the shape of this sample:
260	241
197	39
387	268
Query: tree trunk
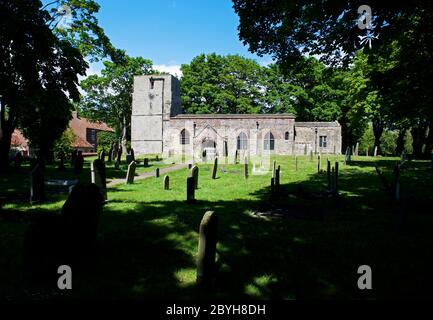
5	146
400	141
123	141
418	136
429	142
377	131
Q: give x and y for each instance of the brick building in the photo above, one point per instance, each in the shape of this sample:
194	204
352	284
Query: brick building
158	126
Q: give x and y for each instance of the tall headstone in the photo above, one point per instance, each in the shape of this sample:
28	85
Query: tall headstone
110	154
215	168
166	183
131	173
277	178
79	163
274	168
37	182
98	176
157	173
246	168
206	267
319	164
190	189
194	174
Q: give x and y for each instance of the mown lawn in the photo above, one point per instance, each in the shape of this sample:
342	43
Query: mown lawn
147	239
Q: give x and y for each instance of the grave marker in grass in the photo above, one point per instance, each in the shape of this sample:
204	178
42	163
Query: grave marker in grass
215	168
190	189
206	267
166	182
131	173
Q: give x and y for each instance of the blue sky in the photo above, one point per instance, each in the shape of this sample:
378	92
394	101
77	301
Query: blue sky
172	32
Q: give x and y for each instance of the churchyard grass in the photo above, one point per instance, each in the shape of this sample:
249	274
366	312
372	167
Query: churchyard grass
148	237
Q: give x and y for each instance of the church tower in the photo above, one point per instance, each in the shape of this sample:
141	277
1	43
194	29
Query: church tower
156	98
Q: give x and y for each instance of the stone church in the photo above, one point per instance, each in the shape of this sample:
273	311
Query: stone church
159	126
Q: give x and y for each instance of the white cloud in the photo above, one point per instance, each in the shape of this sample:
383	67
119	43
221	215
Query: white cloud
171	69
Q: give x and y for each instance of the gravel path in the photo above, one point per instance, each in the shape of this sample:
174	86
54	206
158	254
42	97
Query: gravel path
149	174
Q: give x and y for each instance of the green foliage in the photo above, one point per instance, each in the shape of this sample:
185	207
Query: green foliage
64	144
221	84
105	140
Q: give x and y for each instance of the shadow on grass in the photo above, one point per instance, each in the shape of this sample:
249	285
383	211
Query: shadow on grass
145	251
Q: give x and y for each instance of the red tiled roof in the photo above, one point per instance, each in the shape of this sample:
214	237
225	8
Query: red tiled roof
18	139
80	143
79	124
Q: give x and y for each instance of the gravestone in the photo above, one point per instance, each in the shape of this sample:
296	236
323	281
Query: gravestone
102	155
79	162
190	189
166	183
236	156
73	158
189	166
157	173
274	165
246	168
146	162
328	173
18	160
98	176
80	214
206	267
110	154
61	166
130	156
215	168
131	173
37	182
194	174
319	164
277	178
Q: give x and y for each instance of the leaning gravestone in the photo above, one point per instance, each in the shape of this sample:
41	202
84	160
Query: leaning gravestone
80	214
79	162
215	168
131	173
37	183
194	174
190	189
102	155
98	176
166	183
206	267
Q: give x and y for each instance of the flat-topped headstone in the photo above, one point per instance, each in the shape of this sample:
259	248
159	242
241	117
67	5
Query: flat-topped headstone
215	168
98	176
37	182
79	163
166	183
131	173
208	237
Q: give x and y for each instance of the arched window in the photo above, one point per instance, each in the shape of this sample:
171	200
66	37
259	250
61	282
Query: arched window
242	141
286	136
184	137
269	142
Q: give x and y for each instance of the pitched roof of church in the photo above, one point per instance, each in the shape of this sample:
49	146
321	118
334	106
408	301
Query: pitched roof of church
235	116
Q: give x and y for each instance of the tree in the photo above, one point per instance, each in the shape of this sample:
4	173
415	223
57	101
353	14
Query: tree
109	97
38	76
221	84
402	54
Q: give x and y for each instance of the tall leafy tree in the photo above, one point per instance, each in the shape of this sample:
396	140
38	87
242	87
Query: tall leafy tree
38	76
108	97
221	84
